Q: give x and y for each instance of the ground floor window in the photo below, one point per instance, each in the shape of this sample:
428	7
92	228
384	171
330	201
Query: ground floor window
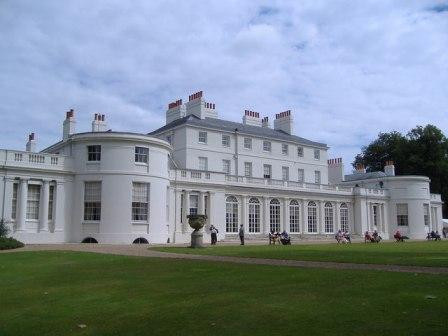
194	204
92	201
254	215
274	215
33	201
426	214
231	214
402	215
140	204
312	217
344	217
294	216
328	209
15	187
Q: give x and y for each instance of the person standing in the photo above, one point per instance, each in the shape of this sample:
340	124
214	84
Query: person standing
241	234
214	234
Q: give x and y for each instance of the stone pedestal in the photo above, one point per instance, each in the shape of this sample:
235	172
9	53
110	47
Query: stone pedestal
197	239
197	222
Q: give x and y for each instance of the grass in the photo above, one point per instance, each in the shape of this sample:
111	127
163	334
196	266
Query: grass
410	253
51	293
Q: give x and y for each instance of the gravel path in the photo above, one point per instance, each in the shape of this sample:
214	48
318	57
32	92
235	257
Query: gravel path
142	251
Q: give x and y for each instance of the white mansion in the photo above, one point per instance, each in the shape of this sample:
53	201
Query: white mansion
116	187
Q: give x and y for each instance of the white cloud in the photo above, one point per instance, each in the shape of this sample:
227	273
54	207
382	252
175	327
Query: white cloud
347	69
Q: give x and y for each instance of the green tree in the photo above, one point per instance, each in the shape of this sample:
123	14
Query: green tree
423	151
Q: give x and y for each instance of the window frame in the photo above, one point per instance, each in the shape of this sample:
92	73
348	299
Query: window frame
226	163
93	154
401	217
92	202
203	159
317	177
33	202
140	202
300	151
285	149
267	176
317	154
231	214
202	137
247	143
267	146
225	143
285	173
140	156
248	164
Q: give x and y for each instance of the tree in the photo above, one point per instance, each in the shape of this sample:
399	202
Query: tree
423	151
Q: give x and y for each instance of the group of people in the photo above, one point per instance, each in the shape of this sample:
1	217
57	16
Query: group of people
342	237
433	235
277	237
372	238
399	237
214	234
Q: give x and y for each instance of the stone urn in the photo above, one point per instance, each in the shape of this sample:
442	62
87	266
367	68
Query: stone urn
197	222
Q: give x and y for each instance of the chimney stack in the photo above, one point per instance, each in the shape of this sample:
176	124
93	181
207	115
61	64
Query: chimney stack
265	122
197	106
69	125
389	168
335	171
251	118
176	110
360	168
284	122
99	123
31	144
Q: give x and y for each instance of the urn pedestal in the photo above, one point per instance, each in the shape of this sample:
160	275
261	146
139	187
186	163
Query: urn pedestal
197	222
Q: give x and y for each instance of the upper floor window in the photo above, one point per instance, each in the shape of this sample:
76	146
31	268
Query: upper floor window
248	169
248	143
267	169
285	173
284	149
267	146
226	166
402	215
226	140
202	137
94	153
300	151
141	154
203	163
300	175
317	179
316	154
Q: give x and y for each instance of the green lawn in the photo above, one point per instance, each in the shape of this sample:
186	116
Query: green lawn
51	293
410	253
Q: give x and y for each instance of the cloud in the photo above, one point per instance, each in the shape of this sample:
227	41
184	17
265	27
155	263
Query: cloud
347	69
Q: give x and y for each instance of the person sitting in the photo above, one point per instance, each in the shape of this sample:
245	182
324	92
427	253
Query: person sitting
367	237
376	237
398	237
338	236
346	235
273	237
285	239
435	235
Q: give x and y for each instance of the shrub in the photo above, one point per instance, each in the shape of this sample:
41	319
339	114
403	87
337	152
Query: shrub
3	228
9	243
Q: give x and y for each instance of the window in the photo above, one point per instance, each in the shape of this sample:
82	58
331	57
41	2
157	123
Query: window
344	217
294	216
254	215
248	143
94	153
231	214
194	203
226	140
226	166
248	169
426	214
92	201
267	169
141	154
300	175
202	137
312	217
328	209
285	173
169	139
267	146
274	215
375	215
32	204
140	197
203	163
284	149
15	187
402	214
316	154
317	177
50	202
300	151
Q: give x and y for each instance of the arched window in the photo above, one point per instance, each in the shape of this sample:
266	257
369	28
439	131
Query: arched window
231	214
254	215
294	216
89	240
140	240
312	217
274	215
329	215
344	217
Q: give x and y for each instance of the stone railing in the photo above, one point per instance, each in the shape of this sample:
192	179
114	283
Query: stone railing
12	158
436	197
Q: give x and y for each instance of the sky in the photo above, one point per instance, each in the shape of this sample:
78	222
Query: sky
347	69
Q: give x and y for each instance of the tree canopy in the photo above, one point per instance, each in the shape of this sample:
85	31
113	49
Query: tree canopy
422	151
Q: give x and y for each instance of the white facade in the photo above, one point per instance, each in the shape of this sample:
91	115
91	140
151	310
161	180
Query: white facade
115	187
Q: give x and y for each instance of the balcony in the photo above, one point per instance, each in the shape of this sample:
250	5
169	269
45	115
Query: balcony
20	159
186	175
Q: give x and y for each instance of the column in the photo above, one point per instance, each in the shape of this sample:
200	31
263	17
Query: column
320	217
59	214
337	221
211	209
7	202
186	210
244	214
304	216
266	222
201	204
43	211
351	219
285	215
178	213
21	209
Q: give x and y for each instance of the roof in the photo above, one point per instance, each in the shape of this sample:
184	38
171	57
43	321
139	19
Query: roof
364	176
230	126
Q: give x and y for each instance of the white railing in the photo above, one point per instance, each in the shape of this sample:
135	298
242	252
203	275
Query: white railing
33	160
